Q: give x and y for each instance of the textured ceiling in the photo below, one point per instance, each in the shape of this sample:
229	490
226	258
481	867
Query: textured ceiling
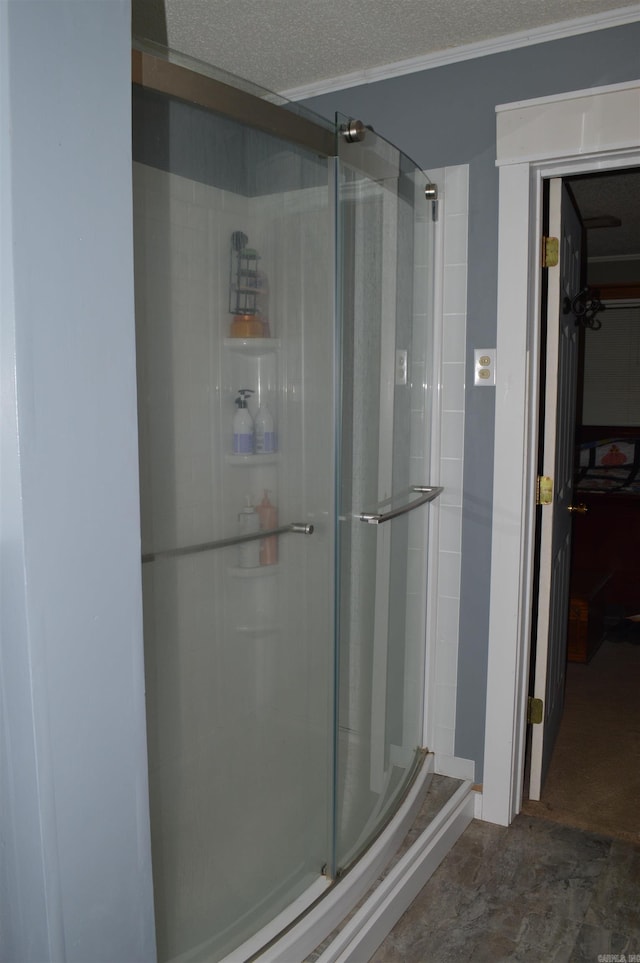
286	44
611	195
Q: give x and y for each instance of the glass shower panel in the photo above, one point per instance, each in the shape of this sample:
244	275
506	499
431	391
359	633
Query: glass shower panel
386	235
239	660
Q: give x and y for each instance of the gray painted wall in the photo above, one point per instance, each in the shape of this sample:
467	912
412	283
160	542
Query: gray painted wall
446	116
75	865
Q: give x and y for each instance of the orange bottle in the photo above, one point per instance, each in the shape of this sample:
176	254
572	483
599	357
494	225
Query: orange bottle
268	519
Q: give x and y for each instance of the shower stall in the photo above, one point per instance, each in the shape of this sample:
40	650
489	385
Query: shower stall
283	275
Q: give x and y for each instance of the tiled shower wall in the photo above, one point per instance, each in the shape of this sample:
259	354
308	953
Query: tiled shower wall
205	694
444	658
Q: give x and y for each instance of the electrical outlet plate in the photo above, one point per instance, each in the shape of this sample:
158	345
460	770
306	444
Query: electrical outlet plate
484	366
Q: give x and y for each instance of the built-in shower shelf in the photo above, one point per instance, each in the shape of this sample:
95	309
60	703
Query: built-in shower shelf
258	571
252	461
253	346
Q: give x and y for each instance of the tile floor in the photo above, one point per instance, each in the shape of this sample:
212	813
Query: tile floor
538	892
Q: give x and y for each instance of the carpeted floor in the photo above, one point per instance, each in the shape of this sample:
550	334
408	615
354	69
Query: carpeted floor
594	777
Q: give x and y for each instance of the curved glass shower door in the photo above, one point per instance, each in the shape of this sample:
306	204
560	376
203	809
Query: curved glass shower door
386	229
234	255
266	778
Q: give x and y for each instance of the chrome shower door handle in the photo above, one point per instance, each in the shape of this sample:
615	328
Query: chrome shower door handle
427	493
297	528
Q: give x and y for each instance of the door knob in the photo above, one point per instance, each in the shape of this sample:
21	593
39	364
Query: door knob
580	509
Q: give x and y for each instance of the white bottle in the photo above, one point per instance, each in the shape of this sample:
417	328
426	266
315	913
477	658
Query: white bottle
243	430
248	522
265	434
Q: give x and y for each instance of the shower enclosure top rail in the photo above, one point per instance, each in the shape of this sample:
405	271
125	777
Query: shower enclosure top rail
297	528
163	76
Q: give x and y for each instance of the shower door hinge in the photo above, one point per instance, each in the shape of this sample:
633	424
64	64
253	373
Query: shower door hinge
353	131
549	252
535	711
431	194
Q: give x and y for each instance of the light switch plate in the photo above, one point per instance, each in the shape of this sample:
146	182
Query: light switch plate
484	366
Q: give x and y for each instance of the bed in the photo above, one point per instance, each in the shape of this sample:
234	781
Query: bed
606	540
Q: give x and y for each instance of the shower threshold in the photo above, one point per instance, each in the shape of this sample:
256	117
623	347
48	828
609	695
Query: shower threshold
354	914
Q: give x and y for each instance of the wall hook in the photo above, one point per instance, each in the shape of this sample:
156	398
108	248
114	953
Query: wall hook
584	309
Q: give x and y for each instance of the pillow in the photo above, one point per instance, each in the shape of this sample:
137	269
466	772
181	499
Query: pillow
608	452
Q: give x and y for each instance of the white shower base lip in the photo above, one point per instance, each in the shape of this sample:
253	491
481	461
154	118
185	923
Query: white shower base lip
292	936
364	932
359	937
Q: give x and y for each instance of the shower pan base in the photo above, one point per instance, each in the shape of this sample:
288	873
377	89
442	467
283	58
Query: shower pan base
377	909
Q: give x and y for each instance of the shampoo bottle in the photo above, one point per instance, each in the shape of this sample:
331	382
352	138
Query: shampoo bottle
265	433
248	522
243	431
268	519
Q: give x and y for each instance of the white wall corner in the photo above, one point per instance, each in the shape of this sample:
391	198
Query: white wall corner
450	271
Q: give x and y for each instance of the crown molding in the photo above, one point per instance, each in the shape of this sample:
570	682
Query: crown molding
483	48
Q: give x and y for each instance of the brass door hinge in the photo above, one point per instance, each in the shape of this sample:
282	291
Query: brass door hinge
549	252
544	490
535	711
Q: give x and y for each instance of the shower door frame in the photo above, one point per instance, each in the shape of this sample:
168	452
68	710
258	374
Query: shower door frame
378	166
165	76
159	75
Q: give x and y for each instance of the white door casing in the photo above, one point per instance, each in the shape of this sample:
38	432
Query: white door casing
589	130
564	281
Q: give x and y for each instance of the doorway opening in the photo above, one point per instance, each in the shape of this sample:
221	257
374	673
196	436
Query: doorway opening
557	136
588	783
